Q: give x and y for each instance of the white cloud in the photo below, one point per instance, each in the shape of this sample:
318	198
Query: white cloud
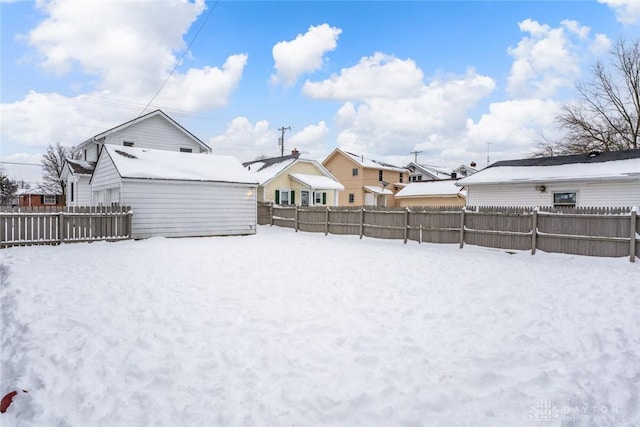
600	44
627	11
20	167
248	141
304	54
376	76
129	59
545	61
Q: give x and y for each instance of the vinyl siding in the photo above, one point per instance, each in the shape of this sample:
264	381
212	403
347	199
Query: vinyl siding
341	168
608	193
154	132
189	208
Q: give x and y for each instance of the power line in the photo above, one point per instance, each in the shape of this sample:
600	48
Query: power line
20	163
179	61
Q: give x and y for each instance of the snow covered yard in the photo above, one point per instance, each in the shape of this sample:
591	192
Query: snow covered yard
299	329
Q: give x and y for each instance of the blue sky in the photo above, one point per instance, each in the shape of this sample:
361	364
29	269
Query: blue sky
456	80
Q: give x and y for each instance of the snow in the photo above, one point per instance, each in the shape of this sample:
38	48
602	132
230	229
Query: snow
301	329
134	162
613	170
377	190
317	182
263	174
374	164
431	188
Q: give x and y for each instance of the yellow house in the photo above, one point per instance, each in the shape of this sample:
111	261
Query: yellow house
432	193
367	182
290	180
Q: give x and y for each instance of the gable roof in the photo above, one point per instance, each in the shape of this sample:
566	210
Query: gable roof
440	188
432	171
81	167
145	163
615	165
125	125
365	162
266	170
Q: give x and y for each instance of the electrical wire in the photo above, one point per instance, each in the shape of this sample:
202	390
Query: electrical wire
179	61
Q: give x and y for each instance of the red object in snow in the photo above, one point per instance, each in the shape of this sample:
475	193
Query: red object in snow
7	399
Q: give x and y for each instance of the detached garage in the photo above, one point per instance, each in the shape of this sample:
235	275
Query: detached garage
176	194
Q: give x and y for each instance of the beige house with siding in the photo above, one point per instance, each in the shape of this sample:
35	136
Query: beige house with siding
367	182
290	180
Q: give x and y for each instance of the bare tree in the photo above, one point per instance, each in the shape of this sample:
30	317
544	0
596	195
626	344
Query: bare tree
606	116
52	162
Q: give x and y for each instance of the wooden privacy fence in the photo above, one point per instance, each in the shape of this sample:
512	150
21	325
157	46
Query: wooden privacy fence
613	232
42	226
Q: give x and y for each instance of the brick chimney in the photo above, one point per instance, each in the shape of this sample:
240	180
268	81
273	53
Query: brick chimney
295	152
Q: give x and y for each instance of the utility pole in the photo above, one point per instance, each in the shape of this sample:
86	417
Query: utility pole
415	153
281	139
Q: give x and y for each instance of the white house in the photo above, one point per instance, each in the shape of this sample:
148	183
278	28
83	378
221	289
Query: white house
154	130
609	179
175	194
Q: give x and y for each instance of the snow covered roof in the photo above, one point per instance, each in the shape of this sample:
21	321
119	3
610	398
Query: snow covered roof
317	182
133	162
431	189
265	169
138	120
369	163
34	192
81	167
624	165
377	190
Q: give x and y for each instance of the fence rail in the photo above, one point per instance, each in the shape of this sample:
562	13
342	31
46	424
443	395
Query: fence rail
24	226
609	232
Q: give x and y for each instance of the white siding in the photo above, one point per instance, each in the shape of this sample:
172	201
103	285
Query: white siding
105	183
154	132
189	208
605	193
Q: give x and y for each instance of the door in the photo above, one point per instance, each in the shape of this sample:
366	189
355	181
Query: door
304	198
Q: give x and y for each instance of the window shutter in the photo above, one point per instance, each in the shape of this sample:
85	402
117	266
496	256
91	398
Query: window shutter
277	197
324	198
42	200
293	197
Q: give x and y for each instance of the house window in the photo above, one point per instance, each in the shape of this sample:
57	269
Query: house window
319	198
285	197
128	142
567	199
380	176
400	177
352	198
72	189
49	200
354	172
186	150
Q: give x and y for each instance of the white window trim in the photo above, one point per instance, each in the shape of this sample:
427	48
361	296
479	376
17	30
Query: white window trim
44	200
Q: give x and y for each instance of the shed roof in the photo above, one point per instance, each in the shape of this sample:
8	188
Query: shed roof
133	162
81	167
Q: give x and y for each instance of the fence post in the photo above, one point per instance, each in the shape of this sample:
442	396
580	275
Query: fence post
326	221
61	226
296	218
406	224
462	227
271	216
632	234
361	222
534	230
